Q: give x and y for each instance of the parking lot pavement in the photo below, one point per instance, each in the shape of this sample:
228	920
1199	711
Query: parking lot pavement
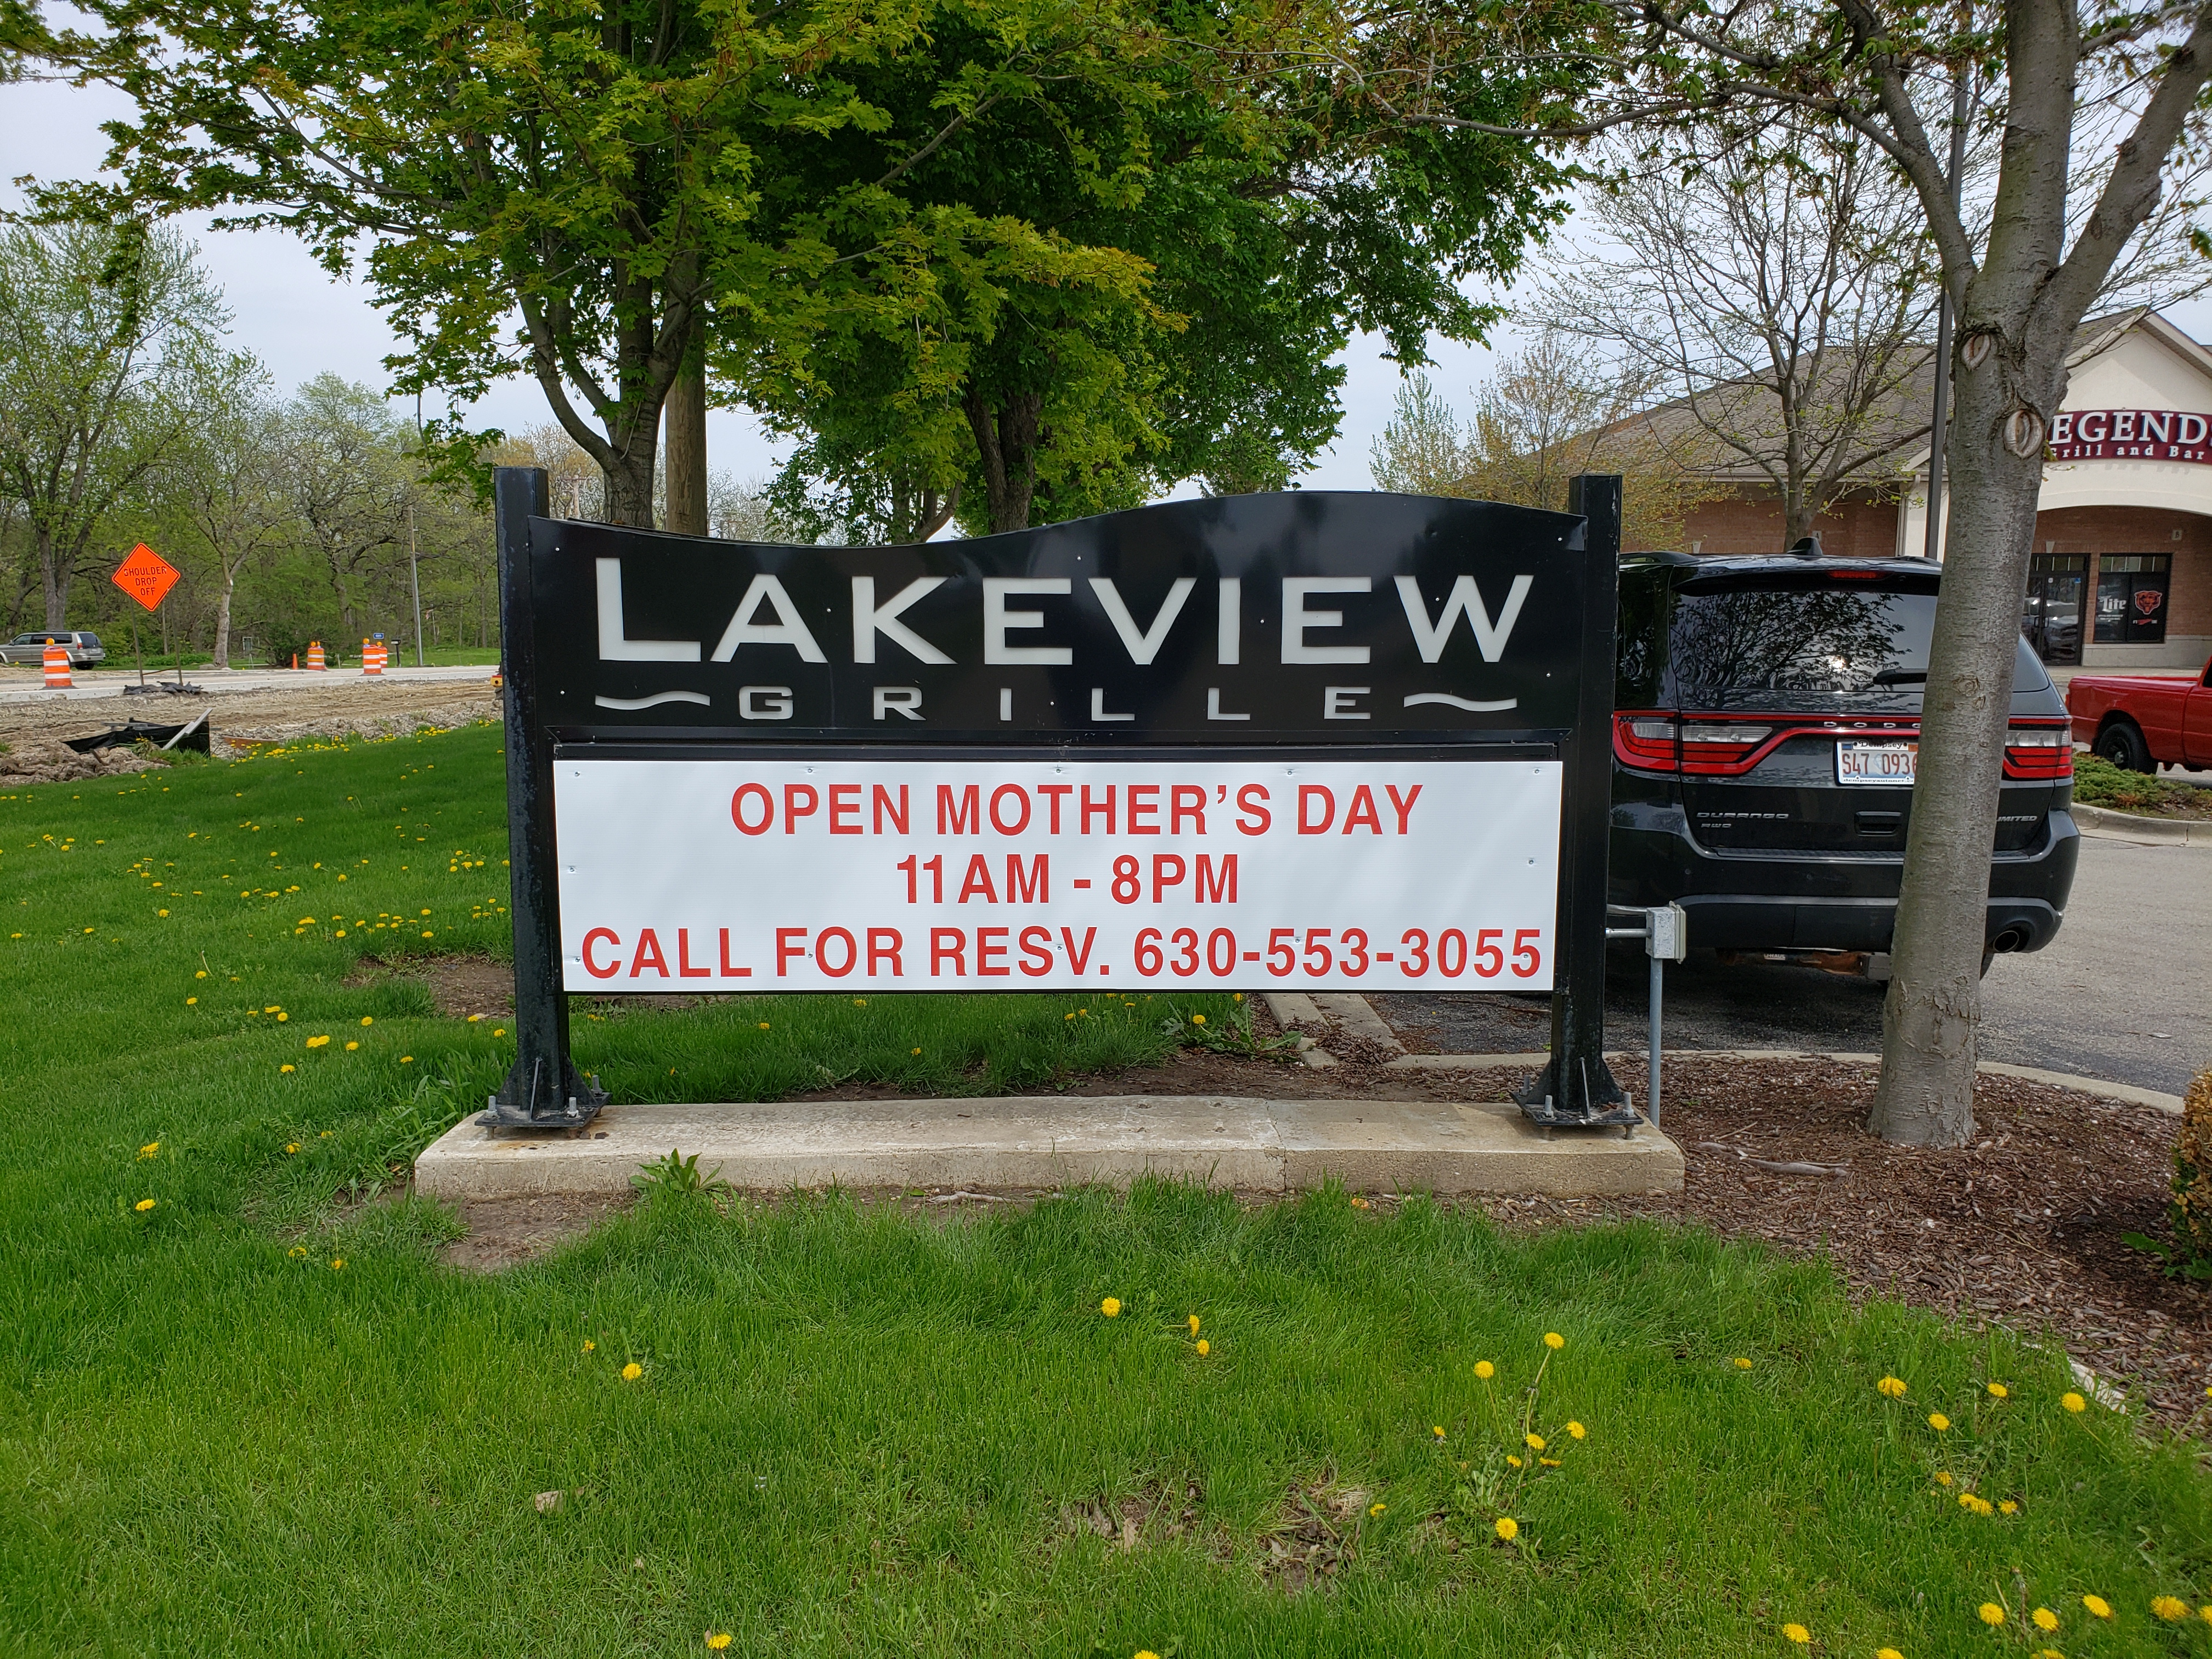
2124	994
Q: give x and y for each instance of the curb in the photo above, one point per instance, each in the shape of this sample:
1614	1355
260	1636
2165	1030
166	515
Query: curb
2127	1093
2108	825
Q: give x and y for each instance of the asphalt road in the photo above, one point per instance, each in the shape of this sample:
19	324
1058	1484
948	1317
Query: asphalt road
19	683
2124	994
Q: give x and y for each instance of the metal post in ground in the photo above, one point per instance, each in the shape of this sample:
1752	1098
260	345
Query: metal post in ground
1575	1089
544	1090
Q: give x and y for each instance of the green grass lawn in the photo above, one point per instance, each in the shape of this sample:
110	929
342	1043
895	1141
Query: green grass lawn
854	1431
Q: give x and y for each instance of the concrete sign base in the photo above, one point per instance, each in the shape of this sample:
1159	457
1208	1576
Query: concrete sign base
1030	1142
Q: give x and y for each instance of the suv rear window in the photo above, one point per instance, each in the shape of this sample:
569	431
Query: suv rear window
1804	641
1829	638
92	640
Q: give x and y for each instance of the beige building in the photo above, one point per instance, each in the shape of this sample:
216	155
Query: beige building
2121	576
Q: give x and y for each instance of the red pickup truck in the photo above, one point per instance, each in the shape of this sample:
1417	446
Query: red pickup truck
2140	721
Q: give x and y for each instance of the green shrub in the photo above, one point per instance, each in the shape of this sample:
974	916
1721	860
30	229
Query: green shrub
2098	782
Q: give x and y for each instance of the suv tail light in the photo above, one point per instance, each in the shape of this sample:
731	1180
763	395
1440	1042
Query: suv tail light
1658	743
2040	751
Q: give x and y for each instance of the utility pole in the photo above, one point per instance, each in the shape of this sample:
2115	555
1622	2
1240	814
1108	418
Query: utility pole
1939	426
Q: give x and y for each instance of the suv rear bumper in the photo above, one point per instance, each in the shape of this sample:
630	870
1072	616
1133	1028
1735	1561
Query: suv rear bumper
1821	901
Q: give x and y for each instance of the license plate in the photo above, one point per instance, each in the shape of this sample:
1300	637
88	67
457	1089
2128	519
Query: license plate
1876	762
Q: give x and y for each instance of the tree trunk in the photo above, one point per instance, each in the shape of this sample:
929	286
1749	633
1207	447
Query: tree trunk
1006	442
56	579
221	653
630	481
1931	1015
685	415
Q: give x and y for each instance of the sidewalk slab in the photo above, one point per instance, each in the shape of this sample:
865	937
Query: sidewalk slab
1055	1141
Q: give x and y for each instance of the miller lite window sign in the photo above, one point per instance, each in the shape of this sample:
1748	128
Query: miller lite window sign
2132	598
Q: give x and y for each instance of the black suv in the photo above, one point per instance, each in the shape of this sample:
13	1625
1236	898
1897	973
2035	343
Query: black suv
1767	724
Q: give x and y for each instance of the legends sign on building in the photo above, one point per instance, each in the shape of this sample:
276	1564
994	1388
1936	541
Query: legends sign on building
1309	739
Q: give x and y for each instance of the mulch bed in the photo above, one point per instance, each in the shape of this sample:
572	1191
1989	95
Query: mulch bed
2022	1227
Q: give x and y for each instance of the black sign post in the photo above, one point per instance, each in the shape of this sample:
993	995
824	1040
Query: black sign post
544	1090
1575	1089
697	720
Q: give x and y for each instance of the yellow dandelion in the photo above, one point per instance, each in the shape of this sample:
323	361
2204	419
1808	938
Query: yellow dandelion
192	1002
351	1047
337	1263
2006	1506
406	1060
2073	1402
1513	1460
1533	1441
368	1019
1992	1614
763	1026
1146	1653
632	1371
1377	1509
1111	1307
291	1145
1892	1386
1195	1019
149	1149
1203	1347
2169	1606
2044	1619
201	974
298	1252
283	1068
318	1042
1508	1527
718	1640
917	1051
1553	1339
1998	1391
1549	1462
1578	1430
1796	1633
1740	1363
143	1206
1942	1477
1888	1653
1485	1370
1938	1422
1438	1430
2098	1605
499	1030
590	1347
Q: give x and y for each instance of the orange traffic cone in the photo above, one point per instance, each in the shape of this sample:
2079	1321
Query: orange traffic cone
372	657
58	668
315	654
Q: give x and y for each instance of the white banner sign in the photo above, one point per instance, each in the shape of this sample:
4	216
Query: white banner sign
892	875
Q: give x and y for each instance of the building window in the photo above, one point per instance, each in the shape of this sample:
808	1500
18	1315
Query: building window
2131	593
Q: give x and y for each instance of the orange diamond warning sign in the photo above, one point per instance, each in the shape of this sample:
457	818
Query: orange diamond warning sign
146	576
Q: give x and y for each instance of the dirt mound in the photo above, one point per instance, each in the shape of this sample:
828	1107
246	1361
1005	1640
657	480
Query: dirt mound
45	760
339	722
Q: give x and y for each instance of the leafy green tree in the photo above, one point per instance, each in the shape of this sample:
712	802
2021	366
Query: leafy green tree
1136	279
223	491
609	171
110	346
